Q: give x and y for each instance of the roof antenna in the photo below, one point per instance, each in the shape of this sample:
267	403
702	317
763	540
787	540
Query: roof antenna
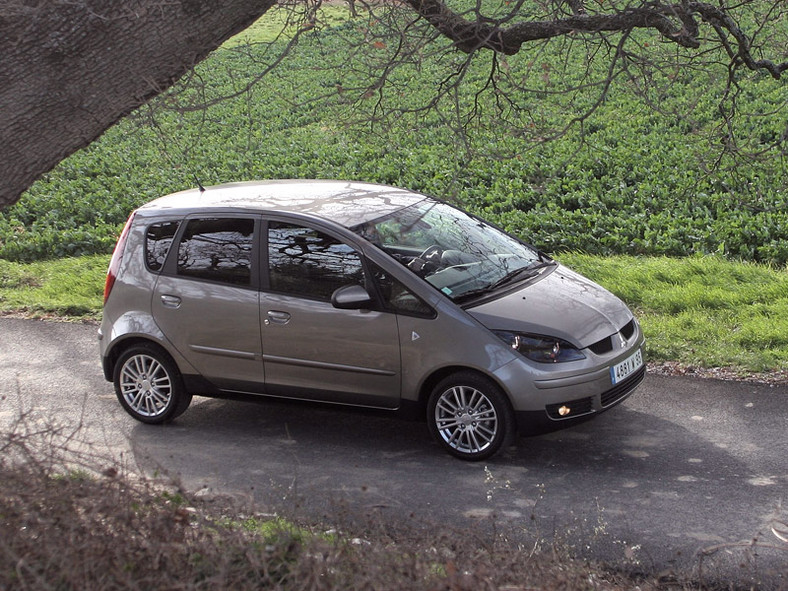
199	184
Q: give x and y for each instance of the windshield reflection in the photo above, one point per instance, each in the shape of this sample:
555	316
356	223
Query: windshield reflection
460	255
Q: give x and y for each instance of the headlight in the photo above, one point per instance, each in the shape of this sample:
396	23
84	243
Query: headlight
541	348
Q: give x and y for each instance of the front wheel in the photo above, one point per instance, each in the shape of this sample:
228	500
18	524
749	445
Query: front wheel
149	385
470	416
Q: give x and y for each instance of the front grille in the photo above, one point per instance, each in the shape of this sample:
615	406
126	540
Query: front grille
619	391
581	406
603	346
628	330
606	345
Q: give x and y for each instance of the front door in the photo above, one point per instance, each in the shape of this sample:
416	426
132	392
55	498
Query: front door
311	349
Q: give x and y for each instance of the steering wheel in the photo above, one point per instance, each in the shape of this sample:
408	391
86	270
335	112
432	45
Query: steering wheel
426	262
430	250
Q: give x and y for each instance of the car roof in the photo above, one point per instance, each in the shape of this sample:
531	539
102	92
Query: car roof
347	203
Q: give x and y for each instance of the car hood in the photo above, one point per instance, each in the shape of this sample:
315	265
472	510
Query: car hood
561	304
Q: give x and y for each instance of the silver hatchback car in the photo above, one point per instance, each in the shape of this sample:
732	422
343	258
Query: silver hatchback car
364	295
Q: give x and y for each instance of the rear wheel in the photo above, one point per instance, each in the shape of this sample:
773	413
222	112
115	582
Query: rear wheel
470	416
149	385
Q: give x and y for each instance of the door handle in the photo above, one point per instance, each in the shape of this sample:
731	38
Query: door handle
276	317
171	301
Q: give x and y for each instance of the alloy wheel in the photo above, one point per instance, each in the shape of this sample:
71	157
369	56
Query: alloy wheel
146	386
466	419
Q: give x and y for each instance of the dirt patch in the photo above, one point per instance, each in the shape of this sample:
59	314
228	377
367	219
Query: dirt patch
674	368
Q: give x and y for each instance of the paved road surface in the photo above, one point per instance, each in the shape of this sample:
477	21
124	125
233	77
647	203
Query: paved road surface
682	467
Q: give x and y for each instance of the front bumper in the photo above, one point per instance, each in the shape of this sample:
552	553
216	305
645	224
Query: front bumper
572	411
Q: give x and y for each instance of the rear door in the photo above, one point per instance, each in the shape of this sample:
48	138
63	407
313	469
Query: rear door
313	350
206	300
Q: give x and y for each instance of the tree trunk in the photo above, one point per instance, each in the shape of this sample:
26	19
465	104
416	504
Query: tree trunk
69	69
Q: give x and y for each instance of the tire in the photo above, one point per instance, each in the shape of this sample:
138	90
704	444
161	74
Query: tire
470	416
149	386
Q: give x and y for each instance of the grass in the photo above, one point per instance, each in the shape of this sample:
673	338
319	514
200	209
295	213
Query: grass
631	180
701	311
68	288
278	23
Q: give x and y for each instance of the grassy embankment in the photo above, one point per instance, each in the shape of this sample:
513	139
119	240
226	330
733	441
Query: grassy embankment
634	182
629	186
702	311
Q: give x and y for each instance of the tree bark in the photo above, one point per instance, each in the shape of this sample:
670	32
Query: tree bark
70	69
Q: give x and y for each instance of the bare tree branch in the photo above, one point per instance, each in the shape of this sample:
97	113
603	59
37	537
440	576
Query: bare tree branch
677	23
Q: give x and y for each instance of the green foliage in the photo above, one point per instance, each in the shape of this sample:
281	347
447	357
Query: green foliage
629	180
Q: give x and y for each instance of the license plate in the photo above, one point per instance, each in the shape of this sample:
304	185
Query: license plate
621	371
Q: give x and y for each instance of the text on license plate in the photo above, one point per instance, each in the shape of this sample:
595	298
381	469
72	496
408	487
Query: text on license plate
621	371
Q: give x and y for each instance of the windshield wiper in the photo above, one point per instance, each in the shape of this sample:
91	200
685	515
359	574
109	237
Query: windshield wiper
520	274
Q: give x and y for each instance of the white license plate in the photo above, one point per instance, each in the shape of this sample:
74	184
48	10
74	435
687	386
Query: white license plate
621	371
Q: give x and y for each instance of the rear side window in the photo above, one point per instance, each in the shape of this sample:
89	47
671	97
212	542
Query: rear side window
158	239
217	249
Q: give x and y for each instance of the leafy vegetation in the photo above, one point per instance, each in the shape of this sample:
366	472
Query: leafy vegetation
631	179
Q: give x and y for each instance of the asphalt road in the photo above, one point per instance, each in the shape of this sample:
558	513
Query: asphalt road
686	475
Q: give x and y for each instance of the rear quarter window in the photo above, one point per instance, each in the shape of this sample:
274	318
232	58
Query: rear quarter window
158	239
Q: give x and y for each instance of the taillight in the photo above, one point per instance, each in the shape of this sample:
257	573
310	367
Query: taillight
117	257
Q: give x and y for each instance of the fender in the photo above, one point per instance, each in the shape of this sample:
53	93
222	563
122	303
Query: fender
135	326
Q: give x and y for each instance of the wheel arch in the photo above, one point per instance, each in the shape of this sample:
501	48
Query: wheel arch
119	346
162	390
481	425
436	376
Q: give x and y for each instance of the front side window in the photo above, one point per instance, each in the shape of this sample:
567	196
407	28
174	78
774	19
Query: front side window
398	298
308	263
158	238
217	249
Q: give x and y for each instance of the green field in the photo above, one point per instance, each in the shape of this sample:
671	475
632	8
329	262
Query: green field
629	188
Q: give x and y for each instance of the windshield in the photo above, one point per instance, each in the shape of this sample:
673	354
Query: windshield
460	255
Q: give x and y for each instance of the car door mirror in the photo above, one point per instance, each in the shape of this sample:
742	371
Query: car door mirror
351	297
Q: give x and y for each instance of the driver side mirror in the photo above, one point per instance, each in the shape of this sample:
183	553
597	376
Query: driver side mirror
351	297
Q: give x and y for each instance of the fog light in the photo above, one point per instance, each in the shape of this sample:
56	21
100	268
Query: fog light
564	410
